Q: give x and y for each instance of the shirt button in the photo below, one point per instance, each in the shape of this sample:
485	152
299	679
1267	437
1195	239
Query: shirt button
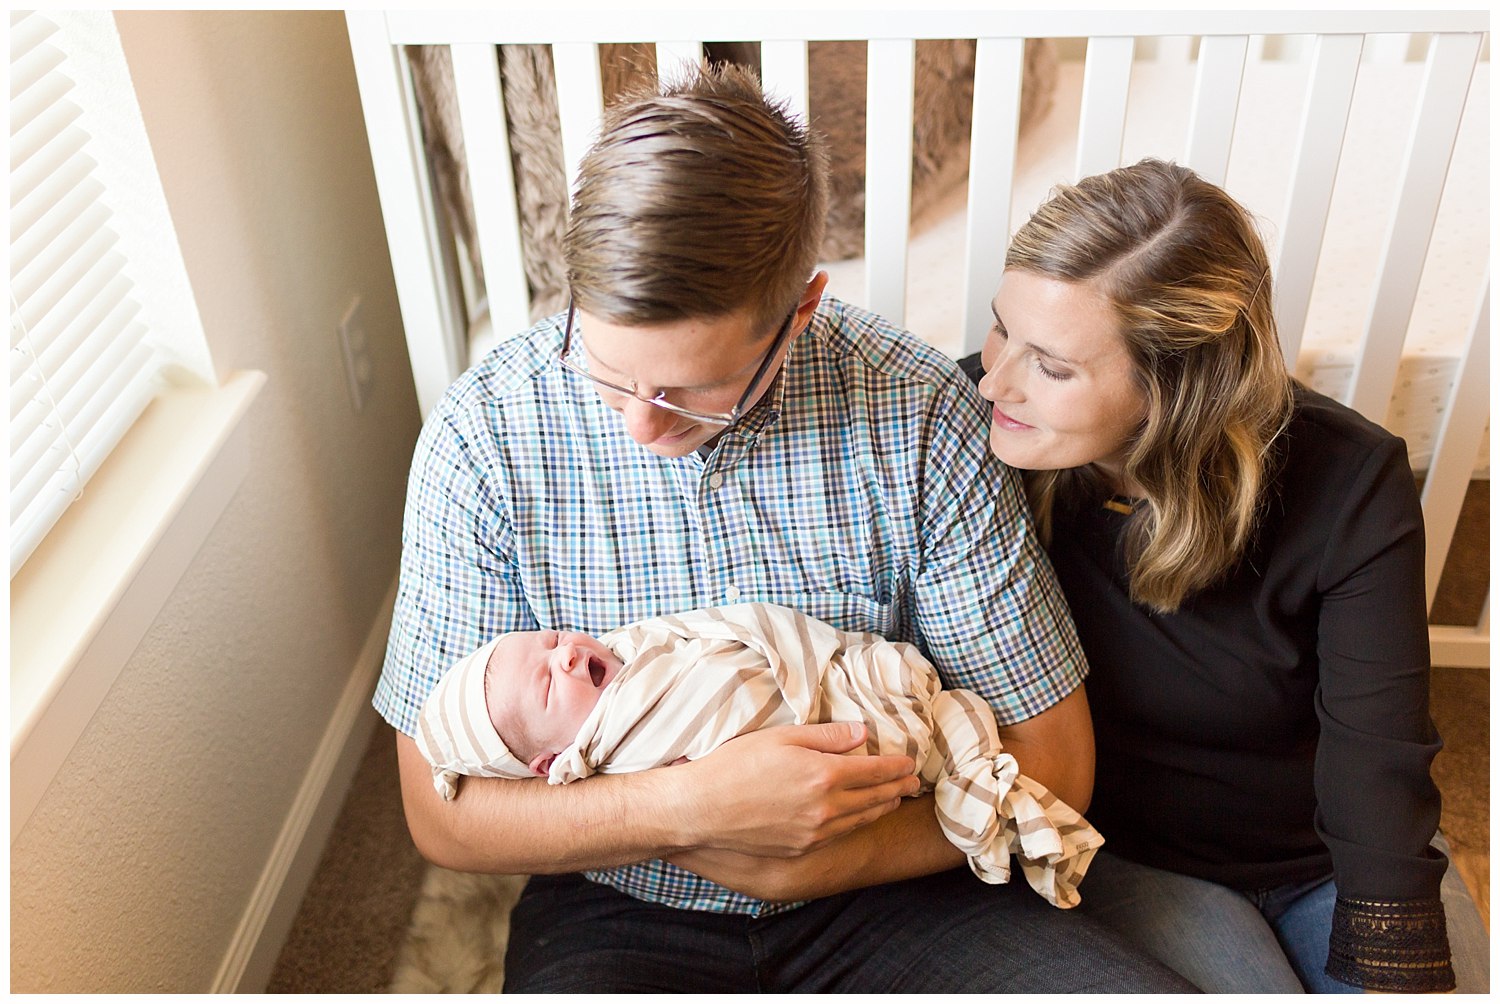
715	480
732	593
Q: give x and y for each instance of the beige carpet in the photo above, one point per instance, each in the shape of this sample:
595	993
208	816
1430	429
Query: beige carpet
1461	709
358	906
376	918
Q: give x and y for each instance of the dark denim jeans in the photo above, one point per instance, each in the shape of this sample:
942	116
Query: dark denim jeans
946	932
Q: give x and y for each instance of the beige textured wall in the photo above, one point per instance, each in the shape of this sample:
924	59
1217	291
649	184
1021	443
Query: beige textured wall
134	870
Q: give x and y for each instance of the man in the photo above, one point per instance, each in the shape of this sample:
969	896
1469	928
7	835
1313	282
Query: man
703	427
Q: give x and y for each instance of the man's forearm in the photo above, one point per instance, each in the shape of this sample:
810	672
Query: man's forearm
530	827
903	844
779	792
1056	749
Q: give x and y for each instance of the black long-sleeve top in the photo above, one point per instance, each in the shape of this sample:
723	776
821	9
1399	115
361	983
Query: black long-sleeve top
1275	728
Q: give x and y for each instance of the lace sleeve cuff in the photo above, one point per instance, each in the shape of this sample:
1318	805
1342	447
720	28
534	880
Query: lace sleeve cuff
1395	947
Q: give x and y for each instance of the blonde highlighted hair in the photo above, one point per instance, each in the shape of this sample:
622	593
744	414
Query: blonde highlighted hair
700	199
1186	272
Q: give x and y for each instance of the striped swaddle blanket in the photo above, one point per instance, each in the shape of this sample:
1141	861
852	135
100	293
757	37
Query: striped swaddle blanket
694	680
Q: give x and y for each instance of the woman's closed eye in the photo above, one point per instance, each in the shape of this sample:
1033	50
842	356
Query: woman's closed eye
1037	358
1050	374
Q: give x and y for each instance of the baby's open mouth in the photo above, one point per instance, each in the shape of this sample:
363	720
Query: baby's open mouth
596	671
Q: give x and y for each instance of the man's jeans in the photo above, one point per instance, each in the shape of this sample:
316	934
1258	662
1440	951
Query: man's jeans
946	932
1272	942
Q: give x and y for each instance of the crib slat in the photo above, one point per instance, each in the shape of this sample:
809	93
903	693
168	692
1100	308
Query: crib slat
892	65
1101	119
432	331
476	76
783	71
998	68
673	57
1216	101
1457	443
1450	66
1325	115
580	100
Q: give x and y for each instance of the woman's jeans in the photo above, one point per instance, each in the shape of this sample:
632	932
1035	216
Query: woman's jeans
1275	941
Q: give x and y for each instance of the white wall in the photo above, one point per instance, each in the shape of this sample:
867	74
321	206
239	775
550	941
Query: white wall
135	869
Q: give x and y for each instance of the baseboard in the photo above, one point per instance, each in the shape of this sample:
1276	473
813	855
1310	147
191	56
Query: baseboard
1462	647
273	906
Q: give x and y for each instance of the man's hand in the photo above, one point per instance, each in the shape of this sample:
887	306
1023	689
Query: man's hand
903	844
778	793
1055	748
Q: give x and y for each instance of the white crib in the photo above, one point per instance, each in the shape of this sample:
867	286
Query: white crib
1360	138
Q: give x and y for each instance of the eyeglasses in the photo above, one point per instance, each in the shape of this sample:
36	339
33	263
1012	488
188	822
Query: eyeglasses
660	400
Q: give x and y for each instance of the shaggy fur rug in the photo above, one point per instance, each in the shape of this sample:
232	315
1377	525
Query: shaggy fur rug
459	927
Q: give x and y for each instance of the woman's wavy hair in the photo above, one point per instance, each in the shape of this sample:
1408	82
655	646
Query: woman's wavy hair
1187	274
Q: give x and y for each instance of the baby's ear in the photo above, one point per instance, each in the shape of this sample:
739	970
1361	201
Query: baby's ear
542	763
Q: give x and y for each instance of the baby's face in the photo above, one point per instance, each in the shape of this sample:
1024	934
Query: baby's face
551	680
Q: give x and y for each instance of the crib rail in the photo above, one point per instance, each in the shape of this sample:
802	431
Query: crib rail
1222	44
496	26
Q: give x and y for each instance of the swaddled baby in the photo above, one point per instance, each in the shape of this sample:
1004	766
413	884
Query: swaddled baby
565	705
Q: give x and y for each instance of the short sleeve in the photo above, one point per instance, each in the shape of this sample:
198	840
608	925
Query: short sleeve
989	609
458	584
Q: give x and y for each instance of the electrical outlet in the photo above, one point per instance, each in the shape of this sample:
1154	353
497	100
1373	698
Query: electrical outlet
359	367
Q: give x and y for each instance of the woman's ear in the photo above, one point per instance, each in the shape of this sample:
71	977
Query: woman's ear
541	764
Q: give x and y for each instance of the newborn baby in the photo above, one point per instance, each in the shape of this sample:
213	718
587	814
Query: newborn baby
565	705
541	686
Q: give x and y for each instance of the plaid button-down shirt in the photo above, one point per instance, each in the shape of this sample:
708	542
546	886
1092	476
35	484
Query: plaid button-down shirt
859	490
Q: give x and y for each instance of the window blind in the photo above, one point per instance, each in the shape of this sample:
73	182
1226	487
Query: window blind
82	367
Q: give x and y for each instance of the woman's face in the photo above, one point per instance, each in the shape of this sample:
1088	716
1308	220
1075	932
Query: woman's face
1059	377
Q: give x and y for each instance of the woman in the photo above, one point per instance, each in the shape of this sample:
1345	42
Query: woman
1244	560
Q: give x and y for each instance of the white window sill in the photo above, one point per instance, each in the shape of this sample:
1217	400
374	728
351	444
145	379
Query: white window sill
85	598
